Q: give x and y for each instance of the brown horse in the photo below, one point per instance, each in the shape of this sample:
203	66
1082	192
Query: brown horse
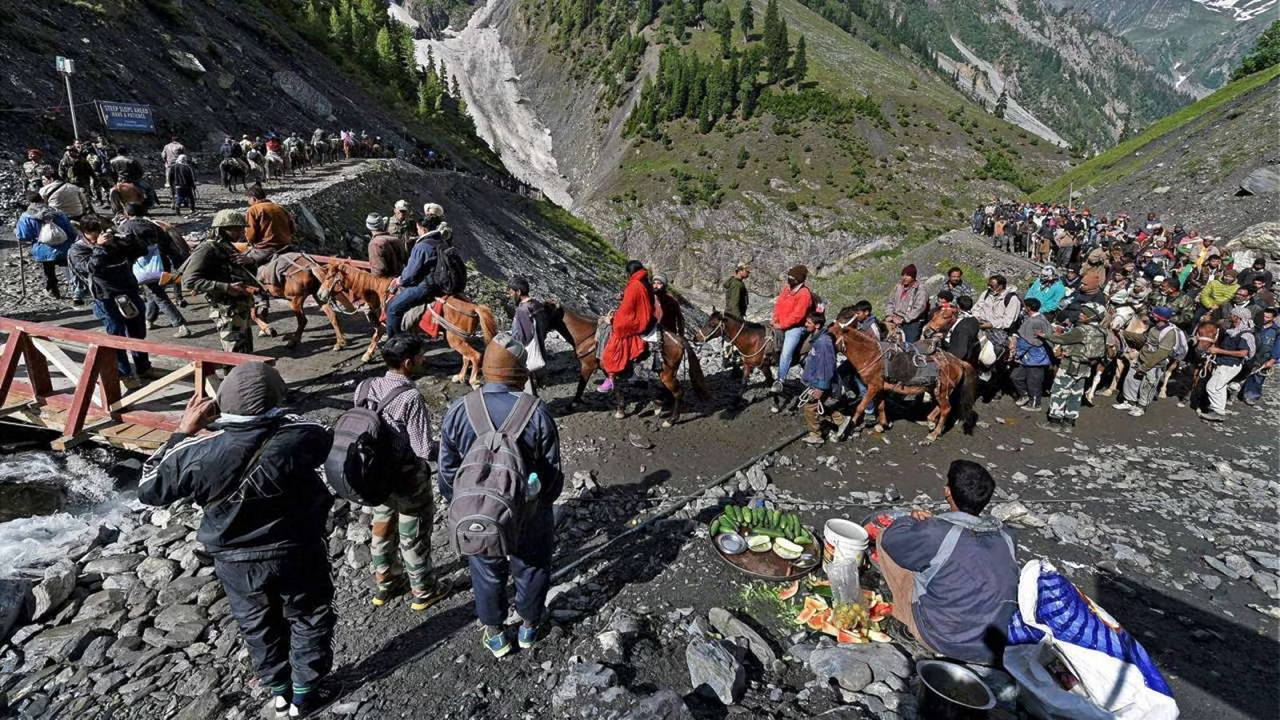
460	318
869	360
1126	355
125	193
302	280
580	331
754	343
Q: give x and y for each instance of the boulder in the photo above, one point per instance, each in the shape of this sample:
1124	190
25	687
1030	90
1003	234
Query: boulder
54	589
730	626
182	590
15	604
582	679
713	664
187	62
175	615
205	707
103	602
842	665
1262	181
157	571
884	659
662	705
114	564
62	644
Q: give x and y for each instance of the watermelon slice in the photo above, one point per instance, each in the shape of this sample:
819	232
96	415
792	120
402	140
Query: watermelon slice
805	614
789	591
879	637
820	619
815	602
880	611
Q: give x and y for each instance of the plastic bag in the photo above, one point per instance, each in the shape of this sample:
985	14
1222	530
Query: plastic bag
533	359
1073	660
150	267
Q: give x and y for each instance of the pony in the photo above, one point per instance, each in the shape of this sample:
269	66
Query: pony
257	165
580	332
461	318
302	280
754	342
867	357
233	170
276	166
298	158
1125	356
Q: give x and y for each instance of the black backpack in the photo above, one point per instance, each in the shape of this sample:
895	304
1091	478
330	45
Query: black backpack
360	466
449	275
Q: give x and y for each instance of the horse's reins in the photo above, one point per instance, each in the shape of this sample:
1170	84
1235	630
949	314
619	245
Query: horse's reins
721	326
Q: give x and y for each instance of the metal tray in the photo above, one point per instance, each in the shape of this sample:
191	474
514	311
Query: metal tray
767	565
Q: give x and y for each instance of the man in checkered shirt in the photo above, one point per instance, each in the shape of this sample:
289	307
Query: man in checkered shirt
402	526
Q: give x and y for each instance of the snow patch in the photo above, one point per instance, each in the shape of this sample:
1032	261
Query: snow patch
1243	10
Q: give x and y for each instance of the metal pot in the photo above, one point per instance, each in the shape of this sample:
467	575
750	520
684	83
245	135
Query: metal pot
951	692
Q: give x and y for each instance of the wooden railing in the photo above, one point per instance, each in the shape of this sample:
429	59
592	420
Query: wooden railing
95	392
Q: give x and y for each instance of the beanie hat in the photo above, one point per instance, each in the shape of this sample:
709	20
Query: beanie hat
503	362
909	270
374	221
1163	313
799	273
253	388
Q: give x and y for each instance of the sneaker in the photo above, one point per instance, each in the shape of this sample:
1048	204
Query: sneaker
309	703
495	639
1250	402
813	439
1123	405
843	428
777	387
1137	412
280	705
1022	402
606	386
526	636
1213	417
984	375
1032	406
183	331
423	599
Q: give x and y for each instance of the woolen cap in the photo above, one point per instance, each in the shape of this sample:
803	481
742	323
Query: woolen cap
1163	313
402	205
799	273
504	362
909	270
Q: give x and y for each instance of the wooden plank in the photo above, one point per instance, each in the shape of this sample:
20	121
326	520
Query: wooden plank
57	404
94	361
153	387
89	337
37	368
58	357
18	406
9	361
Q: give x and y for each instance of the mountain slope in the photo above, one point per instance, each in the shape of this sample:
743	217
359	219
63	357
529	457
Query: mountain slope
1194	43
1190	165
873	147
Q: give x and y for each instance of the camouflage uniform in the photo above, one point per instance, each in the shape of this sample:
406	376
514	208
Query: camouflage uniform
212	269
402	529
234	325
1082	346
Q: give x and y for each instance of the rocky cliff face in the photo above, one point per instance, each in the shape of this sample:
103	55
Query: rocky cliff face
1196	44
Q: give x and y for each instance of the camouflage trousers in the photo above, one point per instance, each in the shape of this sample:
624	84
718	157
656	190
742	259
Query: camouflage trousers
1066	394
402	529
233	325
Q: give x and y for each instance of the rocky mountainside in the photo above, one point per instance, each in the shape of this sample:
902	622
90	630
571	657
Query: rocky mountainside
1196	44
1213	166
873	146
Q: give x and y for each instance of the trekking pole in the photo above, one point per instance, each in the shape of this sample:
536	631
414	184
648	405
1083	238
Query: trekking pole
22	271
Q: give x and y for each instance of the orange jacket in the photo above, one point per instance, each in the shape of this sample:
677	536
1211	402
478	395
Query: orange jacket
633	317
270	227
791	307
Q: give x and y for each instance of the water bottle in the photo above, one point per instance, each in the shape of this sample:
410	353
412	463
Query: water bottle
535	486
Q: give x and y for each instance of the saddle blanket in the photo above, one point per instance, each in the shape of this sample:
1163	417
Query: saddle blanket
909	366
281	265
430	321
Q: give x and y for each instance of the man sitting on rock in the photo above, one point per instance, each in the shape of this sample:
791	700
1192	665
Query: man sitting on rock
954	577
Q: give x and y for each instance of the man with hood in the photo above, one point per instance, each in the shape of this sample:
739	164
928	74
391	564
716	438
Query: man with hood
954	577
789	312
1235	347
257	479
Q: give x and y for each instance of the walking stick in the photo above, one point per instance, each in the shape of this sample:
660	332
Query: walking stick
22	271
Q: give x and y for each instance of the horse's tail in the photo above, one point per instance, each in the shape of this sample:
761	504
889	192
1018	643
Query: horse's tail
695	371
968	396
488	325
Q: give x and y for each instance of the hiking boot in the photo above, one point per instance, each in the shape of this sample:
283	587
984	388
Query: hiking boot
526	637
131	382
606	386
1213	417
183	331
385	593
423	599
813	439
1123	405
495	639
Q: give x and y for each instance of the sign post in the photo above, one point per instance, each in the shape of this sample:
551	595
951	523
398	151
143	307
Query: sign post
67	66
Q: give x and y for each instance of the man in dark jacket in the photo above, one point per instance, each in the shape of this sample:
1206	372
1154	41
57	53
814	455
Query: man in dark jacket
415	285
505	373
818	378
105	261
145	233
961	339
265	508
954	577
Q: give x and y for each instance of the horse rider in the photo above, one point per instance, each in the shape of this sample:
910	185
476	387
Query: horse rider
621	336
908	304
666	307
735	293
793	305
127	169
219	271
317	137
401	223
230	149
32	168
387	253
1078	349
998	311
415	284
270	228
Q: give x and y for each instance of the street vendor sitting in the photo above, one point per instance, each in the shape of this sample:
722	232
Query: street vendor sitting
954	577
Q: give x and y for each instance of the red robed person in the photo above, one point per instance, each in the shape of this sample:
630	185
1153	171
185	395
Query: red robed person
624	342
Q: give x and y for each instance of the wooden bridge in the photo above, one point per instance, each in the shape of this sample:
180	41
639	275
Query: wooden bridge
66	380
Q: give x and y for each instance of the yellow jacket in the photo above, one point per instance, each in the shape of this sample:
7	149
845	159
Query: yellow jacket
1216	292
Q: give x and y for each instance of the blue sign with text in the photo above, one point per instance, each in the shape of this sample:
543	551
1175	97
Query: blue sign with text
128	117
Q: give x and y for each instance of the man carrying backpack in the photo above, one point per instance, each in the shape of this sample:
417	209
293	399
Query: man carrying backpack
1079	348
500	514
50	235
420	282
404	518
1162	343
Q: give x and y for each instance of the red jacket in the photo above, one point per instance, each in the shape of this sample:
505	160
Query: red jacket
792	306
633	317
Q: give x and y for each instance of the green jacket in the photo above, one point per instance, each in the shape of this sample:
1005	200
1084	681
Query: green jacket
1183	306
1216	292
212	270
735	298
1155	351
1082	344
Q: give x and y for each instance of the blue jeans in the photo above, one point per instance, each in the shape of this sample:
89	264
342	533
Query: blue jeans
158	301
1252	389
911	331
791	340
120	326
405	299
862	392
531	567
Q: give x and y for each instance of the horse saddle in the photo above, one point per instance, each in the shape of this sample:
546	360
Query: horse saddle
906	365
280	266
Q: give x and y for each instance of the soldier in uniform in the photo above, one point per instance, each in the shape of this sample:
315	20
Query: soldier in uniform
33	168
218	270
1080	347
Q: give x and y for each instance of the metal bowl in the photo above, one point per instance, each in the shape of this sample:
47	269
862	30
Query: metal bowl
805	561
731	543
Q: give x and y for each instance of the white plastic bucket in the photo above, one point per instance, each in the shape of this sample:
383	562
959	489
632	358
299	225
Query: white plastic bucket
844	539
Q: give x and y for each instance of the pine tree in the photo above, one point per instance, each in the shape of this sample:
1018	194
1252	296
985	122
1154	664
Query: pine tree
1002	103
747	20
799	63
776	47
338	31
385	51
